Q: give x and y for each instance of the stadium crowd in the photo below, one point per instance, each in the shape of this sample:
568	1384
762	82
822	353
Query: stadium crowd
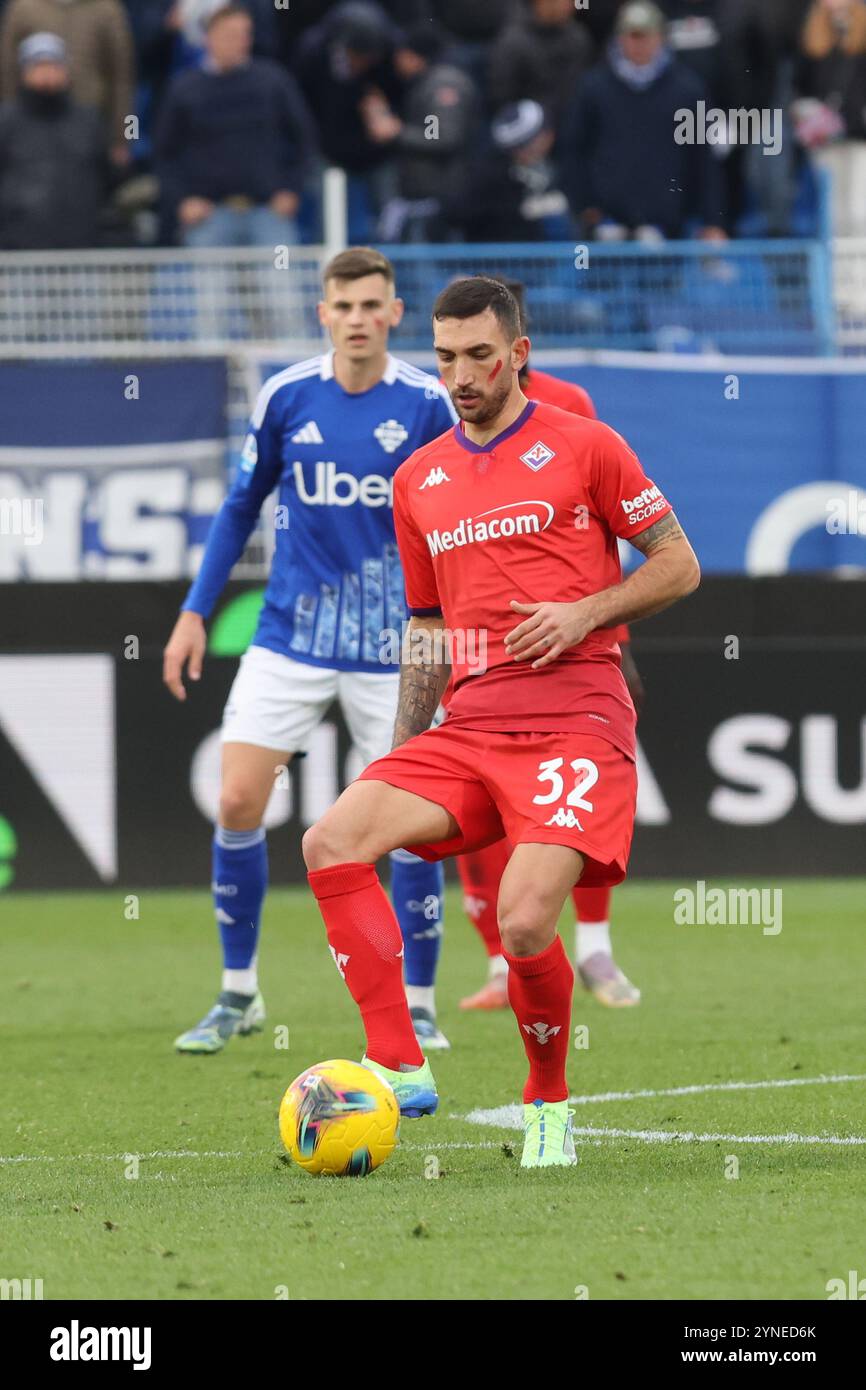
203	123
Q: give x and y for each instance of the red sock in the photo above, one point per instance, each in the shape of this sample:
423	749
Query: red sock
591	904
480	873
539	991
367	947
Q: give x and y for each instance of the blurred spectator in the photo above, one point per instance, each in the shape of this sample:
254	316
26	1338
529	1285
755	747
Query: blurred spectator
831	116
474	24
345	69
340	62
233	143
539	56
511	193
191	18
625	173
156	30
760	39
100	56
54	169
433	138
695	36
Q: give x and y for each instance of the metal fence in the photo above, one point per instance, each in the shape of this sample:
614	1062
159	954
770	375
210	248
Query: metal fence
774	298
747	298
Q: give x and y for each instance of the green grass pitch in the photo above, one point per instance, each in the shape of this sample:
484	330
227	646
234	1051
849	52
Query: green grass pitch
91	1003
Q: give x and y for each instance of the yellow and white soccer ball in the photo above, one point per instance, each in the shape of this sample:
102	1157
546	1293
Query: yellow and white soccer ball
339	1118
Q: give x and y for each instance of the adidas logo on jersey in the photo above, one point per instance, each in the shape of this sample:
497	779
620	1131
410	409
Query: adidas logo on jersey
222	916
434	477
310	434
542	1032
390	435
566	819
334	489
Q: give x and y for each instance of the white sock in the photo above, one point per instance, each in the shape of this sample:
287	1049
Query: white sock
498	968
422	997
591	937
242	981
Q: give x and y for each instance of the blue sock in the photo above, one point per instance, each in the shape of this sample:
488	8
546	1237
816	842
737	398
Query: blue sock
240	878
416	892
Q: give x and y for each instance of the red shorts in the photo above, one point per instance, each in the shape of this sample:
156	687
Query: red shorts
571	789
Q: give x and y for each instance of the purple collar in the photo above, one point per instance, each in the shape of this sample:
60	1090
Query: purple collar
497	439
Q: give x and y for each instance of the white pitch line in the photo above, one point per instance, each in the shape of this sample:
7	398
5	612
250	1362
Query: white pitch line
218	1153
714	1086
664	1136
511	1117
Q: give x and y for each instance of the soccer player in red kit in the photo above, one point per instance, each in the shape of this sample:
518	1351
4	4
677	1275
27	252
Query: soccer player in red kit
481	871
507	527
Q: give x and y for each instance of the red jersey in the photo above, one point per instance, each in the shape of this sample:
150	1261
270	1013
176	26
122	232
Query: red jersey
532	515
550	390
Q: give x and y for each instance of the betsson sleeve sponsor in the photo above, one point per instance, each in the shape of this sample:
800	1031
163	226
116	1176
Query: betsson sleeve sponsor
419	577
257	476
626	498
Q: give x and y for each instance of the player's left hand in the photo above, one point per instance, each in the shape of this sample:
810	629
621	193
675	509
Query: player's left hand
550	630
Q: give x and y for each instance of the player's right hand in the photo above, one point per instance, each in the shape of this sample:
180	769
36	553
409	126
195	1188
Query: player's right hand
185	646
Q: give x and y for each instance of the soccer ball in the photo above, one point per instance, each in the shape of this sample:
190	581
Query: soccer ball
339	1118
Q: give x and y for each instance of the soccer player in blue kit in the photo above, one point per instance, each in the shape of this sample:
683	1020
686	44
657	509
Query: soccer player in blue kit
328	433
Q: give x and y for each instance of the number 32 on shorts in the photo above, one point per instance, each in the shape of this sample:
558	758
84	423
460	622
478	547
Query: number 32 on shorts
586	776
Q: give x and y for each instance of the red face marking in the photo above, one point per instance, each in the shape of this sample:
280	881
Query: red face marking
496	370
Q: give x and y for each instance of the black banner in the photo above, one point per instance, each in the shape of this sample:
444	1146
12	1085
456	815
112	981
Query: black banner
753	740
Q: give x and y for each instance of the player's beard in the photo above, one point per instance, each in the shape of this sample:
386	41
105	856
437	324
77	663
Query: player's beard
487	406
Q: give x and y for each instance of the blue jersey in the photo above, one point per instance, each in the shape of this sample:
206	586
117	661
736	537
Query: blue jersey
335	584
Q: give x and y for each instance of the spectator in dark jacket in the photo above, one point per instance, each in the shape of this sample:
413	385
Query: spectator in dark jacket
510	192
433	138
540	57
694	34
99	50
340	62
625	173
54	168
234	143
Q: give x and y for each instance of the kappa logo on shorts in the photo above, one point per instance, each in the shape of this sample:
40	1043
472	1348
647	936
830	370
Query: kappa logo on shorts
566	819
537	456
542	1032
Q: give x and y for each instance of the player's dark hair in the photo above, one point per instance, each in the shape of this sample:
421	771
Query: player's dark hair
518	289
225	12
465	298
357	262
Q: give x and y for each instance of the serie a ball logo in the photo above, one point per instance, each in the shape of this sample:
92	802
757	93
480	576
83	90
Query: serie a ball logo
339	1118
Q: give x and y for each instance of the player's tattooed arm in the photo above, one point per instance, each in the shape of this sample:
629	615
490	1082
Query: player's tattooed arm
670	573
662	533
423	678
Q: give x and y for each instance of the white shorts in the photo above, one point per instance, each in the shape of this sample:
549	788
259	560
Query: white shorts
276	702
